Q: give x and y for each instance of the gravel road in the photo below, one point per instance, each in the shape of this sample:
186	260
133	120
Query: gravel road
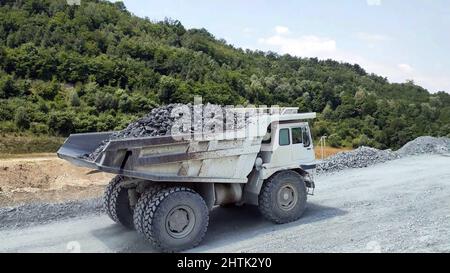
397	206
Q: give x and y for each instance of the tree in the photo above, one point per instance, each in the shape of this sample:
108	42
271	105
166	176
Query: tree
74	99
167	87
334	141
120	5
61	123
7	87
48	90
22	118
328	112
105	101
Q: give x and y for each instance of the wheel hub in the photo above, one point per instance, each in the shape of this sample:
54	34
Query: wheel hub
180	221
287	197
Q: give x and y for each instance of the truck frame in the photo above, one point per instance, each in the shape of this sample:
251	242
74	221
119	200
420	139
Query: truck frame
165	187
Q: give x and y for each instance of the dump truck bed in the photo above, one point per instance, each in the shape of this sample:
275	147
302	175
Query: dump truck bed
165	158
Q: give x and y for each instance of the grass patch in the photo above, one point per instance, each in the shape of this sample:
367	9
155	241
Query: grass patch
25	144
328	151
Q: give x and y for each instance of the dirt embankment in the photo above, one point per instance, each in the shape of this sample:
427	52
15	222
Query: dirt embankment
46	178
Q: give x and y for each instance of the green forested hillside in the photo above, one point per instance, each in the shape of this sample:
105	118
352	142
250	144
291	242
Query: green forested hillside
96	67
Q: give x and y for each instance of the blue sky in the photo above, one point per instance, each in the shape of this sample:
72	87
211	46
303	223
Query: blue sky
397	39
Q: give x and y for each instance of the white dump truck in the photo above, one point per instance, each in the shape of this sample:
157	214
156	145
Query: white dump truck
165	187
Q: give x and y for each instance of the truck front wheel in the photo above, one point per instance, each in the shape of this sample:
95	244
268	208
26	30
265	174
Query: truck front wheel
117	204
283	197
173	220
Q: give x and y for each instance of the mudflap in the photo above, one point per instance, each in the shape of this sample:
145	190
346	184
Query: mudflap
310	185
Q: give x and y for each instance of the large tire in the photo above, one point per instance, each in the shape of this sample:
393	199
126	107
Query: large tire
173	220
283	197
151	191
117	204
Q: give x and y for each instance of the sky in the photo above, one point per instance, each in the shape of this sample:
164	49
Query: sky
398	39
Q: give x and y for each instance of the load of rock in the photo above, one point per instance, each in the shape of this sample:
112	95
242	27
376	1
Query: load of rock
160	120
156	123
359	158
425	145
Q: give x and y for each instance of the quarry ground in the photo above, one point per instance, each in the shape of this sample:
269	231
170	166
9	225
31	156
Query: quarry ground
397	206
46	178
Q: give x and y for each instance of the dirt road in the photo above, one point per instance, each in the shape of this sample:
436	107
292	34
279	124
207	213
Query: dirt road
399	206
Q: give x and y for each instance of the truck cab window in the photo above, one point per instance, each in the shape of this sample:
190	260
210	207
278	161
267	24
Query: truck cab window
296	135
284	137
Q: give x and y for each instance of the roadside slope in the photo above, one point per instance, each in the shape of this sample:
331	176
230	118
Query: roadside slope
46	178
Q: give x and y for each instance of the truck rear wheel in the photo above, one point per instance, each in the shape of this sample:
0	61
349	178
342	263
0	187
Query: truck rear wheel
173	220
283	197
116	202
151	191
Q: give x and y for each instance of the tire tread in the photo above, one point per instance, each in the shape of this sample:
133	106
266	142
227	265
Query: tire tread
146	210
265	203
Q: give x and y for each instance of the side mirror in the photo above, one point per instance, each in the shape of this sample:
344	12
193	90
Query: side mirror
306	137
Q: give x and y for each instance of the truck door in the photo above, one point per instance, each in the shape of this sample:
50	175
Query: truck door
281	155
302	148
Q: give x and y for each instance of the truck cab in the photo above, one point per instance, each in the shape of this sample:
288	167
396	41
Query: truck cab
288	144
286	147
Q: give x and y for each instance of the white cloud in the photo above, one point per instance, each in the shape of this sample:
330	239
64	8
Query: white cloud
304	46
327	48
406	68
373	2
403	72
372	38
281	30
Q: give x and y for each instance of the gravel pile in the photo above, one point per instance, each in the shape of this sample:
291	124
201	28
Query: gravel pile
425	145
159	123
359	158
365	156
43	213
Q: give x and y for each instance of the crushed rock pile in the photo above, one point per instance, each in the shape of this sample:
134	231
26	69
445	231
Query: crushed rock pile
359	158
365	156
425	145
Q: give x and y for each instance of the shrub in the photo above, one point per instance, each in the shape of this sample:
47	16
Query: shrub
8	88
60	123
38	128
334	141
74	99
22	118
48	90
362	140
7	127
